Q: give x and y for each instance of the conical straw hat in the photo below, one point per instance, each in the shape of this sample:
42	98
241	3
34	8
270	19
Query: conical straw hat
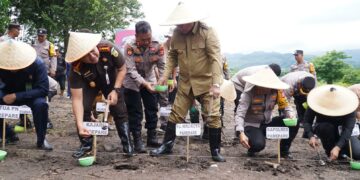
227	90
185	13
332	100
80	44
266	78
16	55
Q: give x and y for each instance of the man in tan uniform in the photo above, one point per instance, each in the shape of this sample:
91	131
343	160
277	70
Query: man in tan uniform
301	64
195	48
356	89
46	50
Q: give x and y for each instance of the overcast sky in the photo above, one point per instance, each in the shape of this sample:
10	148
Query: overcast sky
272	25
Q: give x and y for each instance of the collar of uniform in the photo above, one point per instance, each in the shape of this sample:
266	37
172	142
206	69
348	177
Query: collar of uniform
196	27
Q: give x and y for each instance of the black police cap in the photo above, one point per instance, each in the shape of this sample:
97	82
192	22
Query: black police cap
41	31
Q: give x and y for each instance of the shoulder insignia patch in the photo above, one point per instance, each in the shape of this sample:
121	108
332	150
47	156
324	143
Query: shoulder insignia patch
129	51
104	49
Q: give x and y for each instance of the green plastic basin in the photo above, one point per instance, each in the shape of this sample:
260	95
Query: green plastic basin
2	155
86	161
290	122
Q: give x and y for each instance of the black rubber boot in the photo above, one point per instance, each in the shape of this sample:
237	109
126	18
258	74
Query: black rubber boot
138	144
205	134
168	142
285	153
215	140
151	138
85	147
124	134
45	145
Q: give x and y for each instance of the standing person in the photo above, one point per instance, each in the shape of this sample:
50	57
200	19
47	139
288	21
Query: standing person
143	54
356	89
60	71
301	64
195	48
46	51
96	66
254	114
334	109
13	32
301	83
25	83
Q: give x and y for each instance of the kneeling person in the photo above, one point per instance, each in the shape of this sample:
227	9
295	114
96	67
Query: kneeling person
96	66
262	92
334	108
25	82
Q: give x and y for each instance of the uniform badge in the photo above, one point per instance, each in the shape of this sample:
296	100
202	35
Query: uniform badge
104	59
114	52
104	49
92	84
129	51
161	51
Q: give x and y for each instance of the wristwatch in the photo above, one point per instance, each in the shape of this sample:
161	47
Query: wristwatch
118	90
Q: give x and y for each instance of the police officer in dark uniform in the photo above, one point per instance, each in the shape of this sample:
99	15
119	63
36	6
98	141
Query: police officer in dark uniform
96	66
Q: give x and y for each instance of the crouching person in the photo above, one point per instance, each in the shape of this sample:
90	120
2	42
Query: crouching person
96	66
334	108
263	90
25	82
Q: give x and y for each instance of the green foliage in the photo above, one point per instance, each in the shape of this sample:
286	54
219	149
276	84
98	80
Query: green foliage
4	15
352	76
61	16
331	67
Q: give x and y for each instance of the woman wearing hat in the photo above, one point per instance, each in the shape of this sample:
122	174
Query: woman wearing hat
96	66
262	92
334	109
25	83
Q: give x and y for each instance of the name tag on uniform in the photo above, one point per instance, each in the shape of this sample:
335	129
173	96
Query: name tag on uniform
355	131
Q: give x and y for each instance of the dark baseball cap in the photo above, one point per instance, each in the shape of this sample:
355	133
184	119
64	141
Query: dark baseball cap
296	52
41	31
13	26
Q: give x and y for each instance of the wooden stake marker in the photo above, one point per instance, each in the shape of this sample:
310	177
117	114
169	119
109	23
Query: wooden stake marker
277	133
188	129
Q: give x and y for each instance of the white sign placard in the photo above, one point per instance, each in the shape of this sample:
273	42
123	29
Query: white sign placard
9	112
277	132
97	128
188	129
165	111
355	131
100	107
25	110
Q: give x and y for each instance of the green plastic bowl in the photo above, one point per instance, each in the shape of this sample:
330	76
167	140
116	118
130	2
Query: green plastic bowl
2	155
19	129
170	82
160	88
87	161
290	122
355	165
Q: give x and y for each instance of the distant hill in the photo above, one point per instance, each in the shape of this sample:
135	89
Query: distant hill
239	61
